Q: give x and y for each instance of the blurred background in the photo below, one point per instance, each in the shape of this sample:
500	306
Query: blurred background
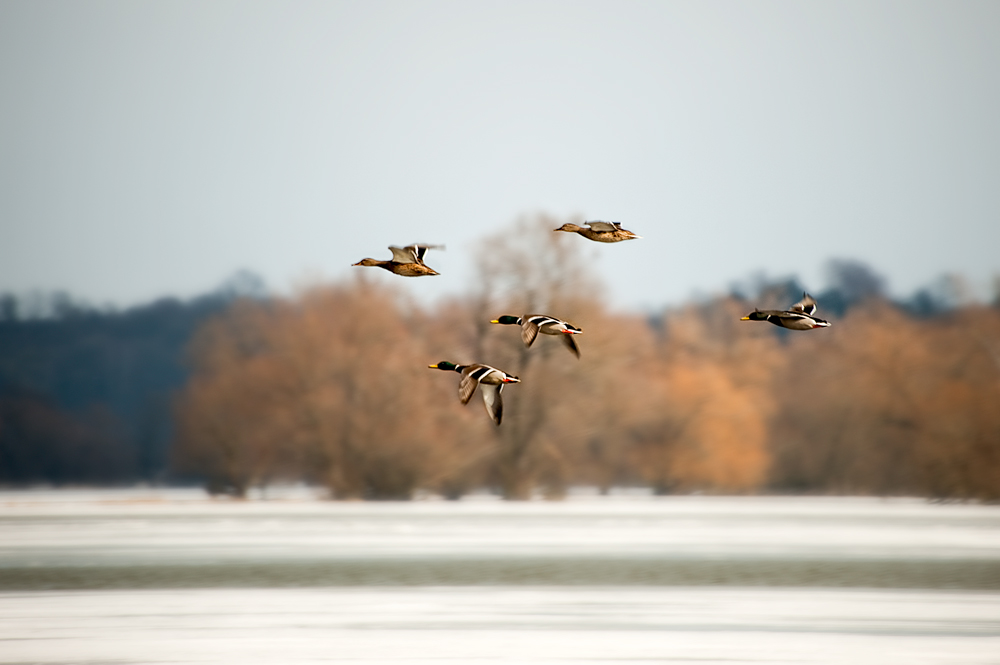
184	187
241	389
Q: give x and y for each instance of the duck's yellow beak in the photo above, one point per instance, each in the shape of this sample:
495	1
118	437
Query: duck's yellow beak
745	318
432	367
494	321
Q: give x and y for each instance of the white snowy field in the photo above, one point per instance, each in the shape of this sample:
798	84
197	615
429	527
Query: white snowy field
545	625
171	576
185	526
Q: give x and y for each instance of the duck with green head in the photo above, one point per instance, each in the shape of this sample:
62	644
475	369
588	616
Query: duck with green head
797	317
492	379
532	324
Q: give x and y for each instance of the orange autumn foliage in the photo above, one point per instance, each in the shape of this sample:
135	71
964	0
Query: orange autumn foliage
331	386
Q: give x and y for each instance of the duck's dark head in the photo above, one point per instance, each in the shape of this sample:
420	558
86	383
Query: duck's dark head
507	320
445	365
755	315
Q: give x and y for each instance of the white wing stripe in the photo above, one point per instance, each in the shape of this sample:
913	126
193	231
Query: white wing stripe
483	372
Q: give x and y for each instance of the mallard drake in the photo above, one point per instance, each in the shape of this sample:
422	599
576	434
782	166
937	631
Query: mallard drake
493	381
797	317
600	231
532	324
406	261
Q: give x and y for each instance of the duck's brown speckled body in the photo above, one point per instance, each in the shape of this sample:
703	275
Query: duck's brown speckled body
600	231
406	261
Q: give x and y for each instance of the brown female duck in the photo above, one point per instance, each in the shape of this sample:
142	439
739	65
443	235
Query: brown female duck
600	231
406	261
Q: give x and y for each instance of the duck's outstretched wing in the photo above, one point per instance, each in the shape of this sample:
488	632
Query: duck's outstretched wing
603	226
529	331
403	255
571	343
807	305
420	249
493	401
467	387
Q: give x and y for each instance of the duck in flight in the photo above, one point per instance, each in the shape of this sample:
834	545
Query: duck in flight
406	261
600	231
798	317
492	379
532	324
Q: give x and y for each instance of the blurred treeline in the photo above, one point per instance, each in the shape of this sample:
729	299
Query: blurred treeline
331	386
86	392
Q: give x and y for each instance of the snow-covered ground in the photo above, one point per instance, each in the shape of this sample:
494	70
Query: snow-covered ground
171	576
548	625
171	526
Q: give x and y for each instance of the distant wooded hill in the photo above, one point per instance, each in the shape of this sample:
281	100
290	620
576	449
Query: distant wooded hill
85	393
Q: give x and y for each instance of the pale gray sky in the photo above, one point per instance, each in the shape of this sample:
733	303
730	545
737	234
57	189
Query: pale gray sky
151	148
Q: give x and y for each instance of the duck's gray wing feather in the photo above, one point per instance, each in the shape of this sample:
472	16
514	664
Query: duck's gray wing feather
419	250
466	388
571	343
403	254
529	331
493	402
807	305
602	226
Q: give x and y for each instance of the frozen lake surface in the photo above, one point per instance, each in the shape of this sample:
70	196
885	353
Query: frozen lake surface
501	625
169	576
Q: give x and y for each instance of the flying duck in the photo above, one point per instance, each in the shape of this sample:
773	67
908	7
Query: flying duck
798	317
532	324
406	261
600	231
493	381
